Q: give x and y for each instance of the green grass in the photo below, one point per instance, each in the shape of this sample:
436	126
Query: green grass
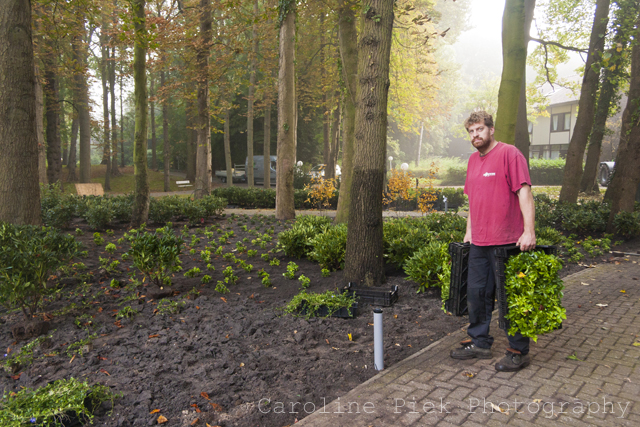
125	182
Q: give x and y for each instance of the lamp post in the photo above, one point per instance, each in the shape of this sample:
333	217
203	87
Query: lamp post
390	160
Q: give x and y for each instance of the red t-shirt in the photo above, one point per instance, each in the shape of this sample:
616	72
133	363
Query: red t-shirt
491	184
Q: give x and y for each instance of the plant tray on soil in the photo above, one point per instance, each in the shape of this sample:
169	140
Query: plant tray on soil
372	296
344	312
457	302
502	256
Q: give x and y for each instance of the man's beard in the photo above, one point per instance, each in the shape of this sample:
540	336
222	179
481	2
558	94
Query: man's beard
481	143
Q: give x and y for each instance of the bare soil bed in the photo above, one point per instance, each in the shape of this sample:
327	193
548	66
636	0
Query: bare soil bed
228	360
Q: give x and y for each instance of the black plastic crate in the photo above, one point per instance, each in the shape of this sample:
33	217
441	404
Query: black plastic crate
371	296
345	312
502	256
456	304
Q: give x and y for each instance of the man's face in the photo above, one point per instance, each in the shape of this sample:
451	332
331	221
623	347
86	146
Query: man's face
481	136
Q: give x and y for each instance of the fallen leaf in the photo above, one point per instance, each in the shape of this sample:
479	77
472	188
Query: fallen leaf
205	395
155	411
104	371
99	309
102	358
584	284
16	377
602	305
537	400
623	291
154	336
223	299
74	356
195	405
197	307
395	316
469	374
350	337
162	419
196	421
497	408
216	407
574	357
241	365
327	340
636	344
118	324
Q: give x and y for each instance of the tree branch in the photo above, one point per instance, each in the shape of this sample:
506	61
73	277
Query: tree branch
546	43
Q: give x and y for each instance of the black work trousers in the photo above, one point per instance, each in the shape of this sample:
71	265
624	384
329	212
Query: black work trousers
481	290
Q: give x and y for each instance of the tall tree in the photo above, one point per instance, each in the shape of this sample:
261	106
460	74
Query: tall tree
19	189
514	59
364	261
522	140
81	102
166	149
349	59
52	113
586	106
286	151
114	125
73	143
614	64
203	157
266	144
152	119
141	192
252	83
106	127
42	151
621	191
191	133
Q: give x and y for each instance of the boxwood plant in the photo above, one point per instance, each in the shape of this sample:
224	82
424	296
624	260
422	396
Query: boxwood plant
534	293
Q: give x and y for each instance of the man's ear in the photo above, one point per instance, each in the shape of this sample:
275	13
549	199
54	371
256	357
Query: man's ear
492	130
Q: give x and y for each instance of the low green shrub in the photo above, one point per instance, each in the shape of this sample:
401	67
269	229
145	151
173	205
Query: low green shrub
156	254
164	209
99	213
28	256
403	237
627	224
296	241
428	266
329	247
57	209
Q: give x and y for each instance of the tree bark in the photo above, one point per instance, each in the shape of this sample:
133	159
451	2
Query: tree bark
141	193
64	138
252	83
121	122
267	142
114	124
81	102
522	140
286	152
73	141
106	134
330	170
42	152
191	135
152	119
326	142
19	189
349	57
52	113
364	262
227	148
586	107
203	156
611	79
514	58
166	149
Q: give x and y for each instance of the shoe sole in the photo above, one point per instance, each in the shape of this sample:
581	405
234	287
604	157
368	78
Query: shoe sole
472	356
524	365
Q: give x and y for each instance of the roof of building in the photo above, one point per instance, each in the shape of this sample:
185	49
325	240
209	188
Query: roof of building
561	96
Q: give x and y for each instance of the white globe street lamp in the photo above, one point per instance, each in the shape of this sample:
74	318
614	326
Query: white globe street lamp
404	167
390	160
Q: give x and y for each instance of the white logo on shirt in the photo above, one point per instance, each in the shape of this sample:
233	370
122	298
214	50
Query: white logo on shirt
489	174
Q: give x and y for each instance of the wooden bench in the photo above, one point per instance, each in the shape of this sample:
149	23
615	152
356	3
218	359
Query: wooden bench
90	189
186	183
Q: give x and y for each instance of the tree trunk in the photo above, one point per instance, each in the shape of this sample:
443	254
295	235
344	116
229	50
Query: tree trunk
227	148
612	75
330	170
203	156
81	101
106	134
326	142
252	83
522	140
586	107
285	208
52	113
72	151
64	138
514	59
165	136
19	189
349	56
364	262
267	142
121	122
621	191
152	119
42	152
141	194
114	125
191	137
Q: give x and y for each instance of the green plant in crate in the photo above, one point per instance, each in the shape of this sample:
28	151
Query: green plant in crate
28	256
313	301
428	264
156	254
51	404
534	293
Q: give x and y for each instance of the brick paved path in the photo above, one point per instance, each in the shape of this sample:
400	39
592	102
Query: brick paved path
602	388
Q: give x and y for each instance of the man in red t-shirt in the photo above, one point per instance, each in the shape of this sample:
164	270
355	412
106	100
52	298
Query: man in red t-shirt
501	212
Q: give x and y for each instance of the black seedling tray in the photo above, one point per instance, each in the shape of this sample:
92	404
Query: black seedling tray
502	256
371	296
457	302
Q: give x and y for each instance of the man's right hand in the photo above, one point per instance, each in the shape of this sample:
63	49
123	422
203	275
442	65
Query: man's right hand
467	238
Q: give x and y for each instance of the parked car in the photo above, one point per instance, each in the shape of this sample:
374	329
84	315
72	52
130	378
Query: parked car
318	170
258	169
606	170
237	172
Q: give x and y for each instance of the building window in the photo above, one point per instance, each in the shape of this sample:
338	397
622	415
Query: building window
560	122
530	127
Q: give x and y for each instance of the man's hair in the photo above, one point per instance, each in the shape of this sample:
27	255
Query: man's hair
479	117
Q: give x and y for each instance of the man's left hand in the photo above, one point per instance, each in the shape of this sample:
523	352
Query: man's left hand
527	241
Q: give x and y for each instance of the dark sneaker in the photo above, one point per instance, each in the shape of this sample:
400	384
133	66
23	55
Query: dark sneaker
513	361
470	351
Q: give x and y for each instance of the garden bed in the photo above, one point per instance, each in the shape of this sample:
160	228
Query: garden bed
228	359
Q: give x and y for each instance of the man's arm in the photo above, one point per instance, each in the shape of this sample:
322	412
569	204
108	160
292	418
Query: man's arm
527	241
467	236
